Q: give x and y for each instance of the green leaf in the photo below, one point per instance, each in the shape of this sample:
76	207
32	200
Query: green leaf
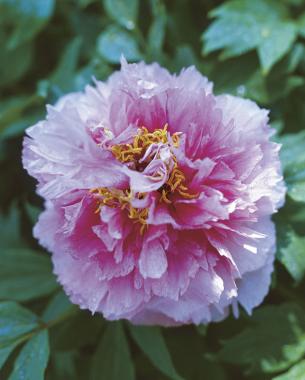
301	25
10	230
296	190
58	307
114	42
242	25
32	359
85	3
14	63
276	41
291	62
273	342
184	57
112	359
292	151
32	211
18	127
291	252
152	343
15	321
12	109
202	329
63	77
124	12
64	366
27	17
156	33
190	353
238	36
297	372
64	337
293	159
25	274
5	352
240	76
88	329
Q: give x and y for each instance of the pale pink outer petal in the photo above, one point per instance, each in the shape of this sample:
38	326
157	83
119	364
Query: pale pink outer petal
252	122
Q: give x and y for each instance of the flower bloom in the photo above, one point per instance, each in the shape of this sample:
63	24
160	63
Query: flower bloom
158	197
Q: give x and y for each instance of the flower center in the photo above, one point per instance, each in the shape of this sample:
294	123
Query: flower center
145	147
136	150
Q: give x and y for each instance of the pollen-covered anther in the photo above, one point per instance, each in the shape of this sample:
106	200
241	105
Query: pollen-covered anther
138	154
176	183
121	198
135	151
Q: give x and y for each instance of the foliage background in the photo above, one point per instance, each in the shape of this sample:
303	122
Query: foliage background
254	49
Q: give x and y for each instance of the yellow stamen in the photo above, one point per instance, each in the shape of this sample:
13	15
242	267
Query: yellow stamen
122	199
133	152
164	197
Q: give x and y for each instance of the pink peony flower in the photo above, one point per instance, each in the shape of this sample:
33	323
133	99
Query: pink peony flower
159	197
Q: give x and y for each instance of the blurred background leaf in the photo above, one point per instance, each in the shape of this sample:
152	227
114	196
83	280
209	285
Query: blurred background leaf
112	358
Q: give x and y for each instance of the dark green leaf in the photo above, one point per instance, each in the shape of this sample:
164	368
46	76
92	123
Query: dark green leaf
189	353
5	352
274	341
27	17
112	359
58	307
64	366
10	230
114	42
18	127
202	329
88	329
68	63
14	63
151	341
124	12
62	79
25	274
32	359
12	109
85	3
32	212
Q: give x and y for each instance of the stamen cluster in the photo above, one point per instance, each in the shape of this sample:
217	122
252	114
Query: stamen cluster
135	154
